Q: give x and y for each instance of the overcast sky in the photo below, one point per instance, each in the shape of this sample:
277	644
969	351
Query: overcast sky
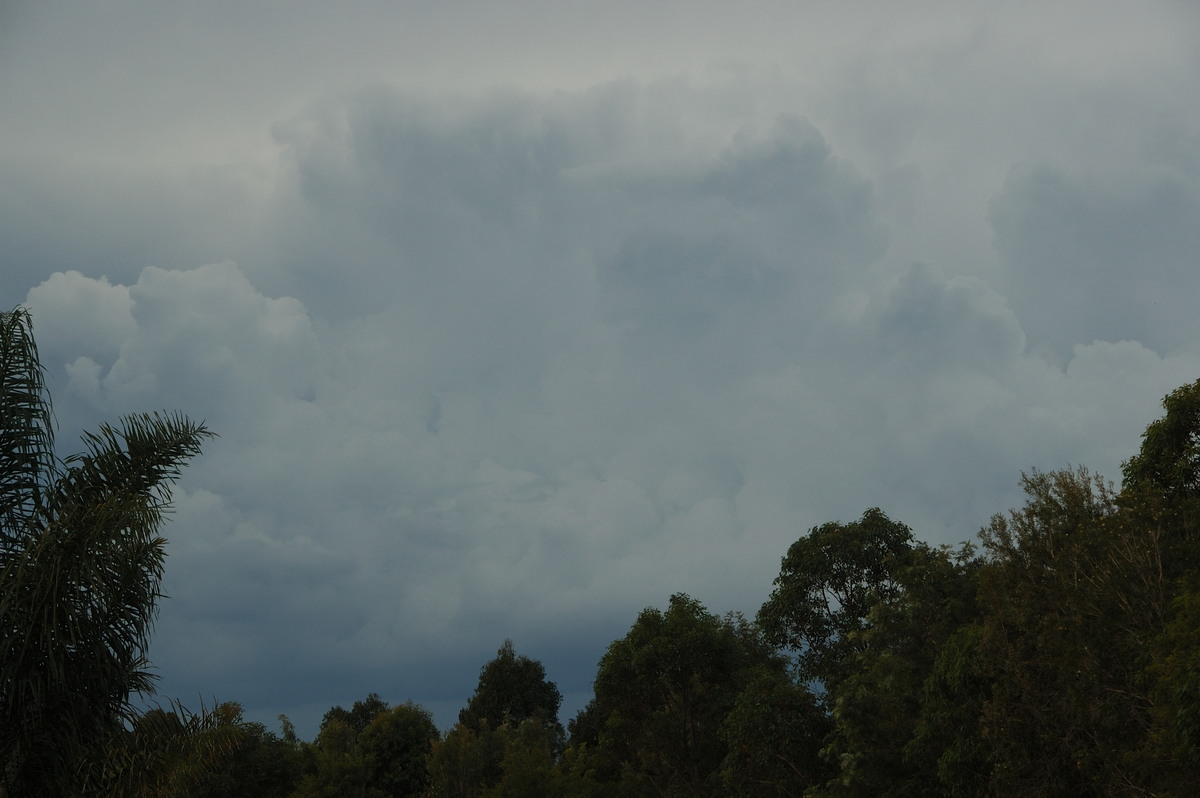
517	317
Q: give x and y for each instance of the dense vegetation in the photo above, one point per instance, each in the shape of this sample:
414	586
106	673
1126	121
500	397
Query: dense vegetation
1056	655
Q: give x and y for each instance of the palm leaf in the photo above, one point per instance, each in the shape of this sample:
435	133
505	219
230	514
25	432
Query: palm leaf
81	561
163	752
27	463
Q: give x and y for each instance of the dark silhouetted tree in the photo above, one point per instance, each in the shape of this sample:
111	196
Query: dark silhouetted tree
512	688
80	564
827	584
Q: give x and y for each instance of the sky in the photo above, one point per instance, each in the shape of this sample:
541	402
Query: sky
515	318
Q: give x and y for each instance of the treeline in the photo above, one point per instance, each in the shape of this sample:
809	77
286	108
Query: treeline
1058	654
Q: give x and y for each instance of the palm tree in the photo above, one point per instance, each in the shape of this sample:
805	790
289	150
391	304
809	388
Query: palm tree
80	567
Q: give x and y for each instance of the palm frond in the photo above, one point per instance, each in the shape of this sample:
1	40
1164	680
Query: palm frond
27	463
81	562
165	751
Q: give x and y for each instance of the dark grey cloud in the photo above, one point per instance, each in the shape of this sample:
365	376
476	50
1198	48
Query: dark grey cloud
516	362
1091	257
932	322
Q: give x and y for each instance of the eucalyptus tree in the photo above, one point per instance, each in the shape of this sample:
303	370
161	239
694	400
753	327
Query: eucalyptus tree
507	737
689	703
81	560
372	749
1160	494
827	584
512	687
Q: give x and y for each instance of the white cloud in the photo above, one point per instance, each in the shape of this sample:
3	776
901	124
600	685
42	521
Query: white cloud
204	339
100	313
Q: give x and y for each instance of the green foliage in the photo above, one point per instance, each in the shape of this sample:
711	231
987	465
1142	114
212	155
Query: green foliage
1169	458
165	753
396	745
528	767
946	737
27	463
876	704
1174	677
578	777
865	608
1162	481
1161	495
360	714
80	565
663	693
1072	594
508	736
827	584
772	733
466	763
512	689
371	750
511	761
260	765
337	767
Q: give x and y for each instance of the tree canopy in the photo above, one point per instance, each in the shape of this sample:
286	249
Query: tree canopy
511	688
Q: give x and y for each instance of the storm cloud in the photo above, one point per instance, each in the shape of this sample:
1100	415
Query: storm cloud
505	335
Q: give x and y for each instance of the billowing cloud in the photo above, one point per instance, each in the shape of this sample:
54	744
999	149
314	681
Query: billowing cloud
948	324
1090	257
516	361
